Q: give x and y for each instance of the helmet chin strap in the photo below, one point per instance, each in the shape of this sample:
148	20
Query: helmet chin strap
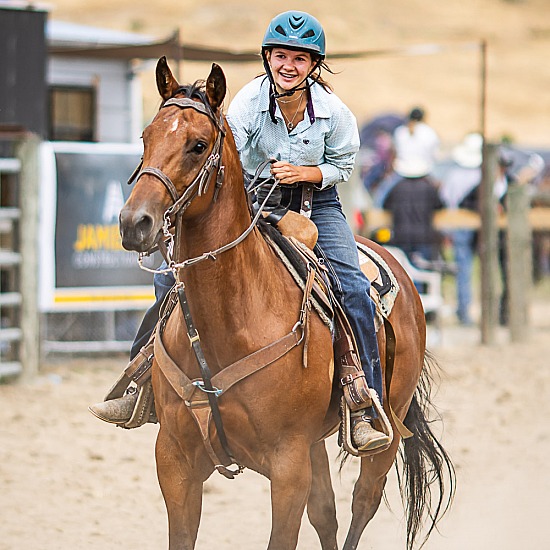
273	95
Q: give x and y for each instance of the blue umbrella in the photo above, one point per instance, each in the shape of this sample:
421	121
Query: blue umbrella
387	122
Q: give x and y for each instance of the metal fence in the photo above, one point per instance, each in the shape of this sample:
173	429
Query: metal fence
89	332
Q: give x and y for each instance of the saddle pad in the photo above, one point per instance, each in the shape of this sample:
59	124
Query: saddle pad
382	279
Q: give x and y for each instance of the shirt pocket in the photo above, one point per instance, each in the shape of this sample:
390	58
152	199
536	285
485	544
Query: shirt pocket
309	148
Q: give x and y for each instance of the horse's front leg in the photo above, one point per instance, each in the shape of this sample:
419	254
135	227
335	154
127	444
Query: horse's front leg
181	487
321	507
290	476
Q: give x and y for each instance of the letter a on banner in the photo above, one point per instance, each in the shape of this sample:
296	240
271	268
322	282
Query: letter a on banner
114	201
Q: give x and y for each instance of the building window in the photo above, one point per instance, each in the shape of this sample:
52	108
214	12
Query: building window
72	113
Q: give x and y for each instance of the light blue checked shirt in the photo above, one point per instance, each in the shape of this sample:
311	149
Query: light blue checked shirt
330	143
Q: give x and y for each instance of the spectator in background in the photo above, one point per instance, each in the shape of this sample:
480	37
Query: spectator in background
412	203
459	189
414	142
381	160
503	180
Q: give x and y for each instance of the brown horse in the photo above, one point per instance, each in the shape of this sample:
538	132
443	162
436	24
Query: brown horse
241	299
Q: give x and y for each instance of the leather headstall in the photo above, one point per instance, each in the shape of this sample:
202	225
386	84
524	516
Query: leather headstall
200	184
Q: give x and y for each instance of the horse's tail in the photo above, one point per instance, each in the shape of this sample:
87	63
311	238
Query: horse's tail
425	463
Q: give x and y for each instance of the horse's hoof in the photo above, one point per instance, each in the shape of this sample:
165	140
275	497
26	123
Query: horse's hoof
115	411
365	437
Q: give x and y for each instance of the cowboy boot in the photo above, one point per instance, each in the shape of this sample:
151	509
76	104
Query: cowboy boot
364	436
135	408
116	411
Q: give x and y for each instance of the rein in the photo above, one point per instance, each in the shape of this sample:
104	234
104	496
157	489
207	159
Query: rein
167	249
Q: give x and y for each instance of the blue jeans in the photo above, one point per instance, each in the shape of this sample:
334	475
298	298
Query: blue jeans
463	247
350	285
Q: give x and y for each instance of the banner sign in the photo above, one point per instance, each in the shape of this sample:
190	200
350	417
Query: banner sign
83	264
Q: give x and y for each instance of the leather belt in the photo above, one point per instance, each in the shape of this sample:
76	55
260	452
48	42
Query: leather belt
307	200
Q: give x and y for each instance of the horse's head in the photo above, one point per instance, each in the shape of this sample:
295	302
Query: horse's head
182	151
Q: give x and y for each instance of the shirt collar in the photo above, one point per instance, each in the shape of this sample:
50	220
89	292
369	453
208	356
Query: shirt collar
318	95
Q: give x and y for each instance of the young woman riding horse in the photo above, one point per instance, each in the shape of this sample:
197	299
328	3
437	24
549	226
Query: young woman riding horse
315	153
234	300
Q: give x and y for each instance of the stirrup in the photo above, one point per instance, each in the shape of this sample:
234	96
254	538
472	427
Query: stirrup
132	410
346	436
144	410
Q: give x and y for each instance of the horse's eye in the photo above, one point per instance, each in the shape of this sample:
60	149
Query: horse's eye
199	148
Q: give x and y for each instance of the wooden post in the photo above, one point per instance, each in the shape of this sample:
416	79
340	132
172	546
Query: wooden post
488	249
519	265
28	153
483	87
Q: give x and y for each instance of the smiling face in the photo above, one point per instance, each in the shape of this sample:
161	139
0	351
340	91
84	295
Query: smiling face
288	67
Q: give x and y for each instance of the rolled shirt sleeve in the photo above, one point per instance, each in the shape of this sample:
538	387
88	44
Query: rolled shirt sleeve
341	147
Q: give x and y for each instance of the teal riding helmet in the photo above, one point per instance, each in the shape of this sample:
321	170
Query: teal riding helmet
295	30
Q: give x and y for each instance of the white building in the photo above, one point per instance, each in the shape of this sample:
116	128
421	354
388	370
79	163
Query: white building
90	97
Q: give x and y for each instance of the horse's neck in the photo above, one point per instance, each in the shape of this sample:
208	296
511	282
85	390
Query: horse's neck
229	297
227	276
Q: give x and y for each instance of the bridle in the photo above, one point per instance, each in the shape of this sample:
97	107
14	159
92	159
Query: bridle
198	187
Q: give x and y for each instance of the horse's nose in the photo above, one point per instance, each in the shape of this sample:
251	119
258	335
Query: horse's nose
136	229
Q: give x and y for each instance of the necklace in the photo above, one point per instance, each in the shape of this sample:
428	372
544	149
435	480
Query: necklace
290	123
291	100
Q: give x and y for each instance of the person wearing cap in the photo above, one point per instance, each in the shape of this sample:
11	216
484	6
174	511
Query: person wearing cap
416	140
511	170
290	115
459	189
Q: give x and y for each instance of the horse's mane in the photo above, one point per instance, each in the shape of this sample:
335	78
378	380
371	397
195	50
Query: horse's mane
197	90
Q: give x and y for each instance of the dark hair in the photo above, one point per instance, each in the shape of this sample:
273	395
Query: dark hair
416	114
323	66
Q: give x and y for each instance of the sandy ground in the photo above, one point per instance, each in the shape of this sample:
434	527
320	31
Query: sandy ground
68	480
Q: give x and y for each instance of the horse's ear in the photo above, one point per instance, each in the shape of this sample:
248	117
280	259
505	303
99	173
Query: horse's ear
215	87
166	83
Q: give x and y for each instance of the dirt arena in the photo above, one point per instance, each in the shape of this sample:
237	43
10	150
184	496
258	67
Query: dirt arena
70	481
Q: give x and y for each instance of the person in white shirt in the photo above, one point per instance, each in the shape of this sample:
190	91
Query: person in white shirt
291	115
416	140
415	144
459	189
